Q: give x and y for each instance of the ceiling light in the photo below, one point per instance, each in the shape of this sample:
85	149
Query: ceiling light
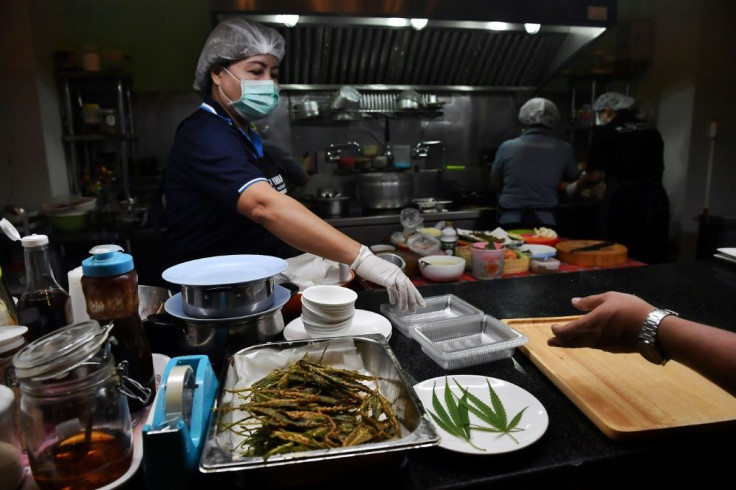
288	20
532	28
498	26
397	22
418	24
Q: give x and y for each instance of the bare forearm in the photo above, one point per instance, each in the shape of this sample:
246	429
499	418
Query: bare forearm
709	350
296	225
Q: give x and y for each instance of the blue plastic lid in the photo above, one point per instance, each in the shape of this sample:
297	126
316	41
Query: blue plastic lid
107	260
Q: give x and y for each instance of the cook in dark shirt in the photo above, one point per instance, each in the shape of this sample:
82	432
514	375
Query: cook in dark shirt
628	153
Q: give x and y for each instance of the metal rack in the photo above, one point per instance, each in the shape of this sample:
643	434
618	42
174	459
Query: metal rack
84	141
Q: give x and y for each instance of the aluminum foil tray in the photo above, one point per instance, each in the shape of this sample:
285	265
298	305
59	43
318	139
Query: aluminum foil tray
468	341
373	352
447	307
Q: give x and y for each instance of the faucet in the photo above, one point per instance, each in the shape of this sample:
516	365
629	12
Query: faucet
423	149
333	152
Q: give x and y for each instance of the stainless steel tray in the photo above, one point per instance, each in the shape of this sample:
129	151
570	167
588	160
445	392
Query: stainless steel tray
438	309
377	359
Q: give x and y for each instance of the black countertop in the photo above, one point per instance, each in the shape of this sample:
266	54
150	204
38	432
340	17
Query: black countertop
574	453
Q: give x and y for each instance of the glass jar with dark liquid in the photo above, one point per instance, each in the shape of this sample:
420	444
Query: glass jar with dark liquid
76	423
44	305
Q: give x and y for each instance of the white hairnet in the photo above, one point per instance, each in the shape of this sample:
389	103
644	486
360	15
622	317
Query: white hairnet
233	40
615	101
538	111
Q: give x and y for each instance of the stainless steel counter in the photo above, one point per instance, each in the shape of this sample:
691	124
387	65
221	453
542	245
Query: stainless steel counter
375	228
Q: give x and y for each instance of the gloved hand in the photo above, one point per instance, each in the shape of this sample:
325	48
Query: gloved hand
400	288
571	189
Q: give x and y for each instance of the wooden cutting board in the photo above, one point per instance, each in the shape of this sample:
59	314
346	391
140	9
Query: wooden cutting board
613	255
625	396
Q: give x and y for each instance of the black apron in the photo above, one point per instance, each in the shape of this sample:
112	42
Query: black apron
636	214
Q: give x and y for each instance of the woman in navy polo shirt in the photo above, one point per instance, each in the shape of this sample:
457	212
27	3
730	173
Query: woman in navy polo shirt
222	196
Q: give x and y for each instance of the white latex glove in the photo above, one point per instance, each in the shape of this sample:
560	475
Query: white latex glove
400	288
571	189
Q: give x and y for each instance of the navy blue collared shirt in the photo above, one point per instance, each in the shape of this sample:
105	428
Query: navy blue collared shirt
213	161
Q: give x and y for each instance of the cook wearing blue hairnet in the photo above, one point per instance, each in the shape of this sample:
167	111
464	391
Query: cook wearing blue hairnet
222	196
528	169
628	154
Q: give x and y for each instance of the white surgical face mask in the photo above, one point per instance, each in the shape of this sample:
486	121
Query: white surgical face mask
258	98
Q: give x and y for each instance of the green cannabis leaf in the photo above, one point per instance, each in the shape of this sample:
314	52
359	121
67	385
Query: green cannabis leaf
455	420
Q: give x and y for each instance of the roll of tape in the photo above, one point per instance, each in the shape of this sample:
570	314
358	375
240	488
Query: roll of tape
179	391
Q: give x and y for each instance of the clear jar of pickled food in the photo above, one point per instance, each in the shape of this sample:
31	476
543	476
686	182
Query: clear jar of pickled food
74	416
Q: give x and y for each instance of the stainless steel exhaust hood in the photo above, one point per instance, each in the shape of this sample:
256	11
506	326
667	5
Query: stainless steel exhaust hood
469	45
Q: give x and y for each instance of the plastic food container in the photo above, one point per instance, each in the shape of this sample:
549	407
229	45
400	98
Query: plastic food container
486	264
438	309
468	341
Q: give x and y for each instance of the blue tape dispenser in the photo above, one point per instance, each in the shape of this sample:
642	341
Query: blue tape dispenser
173	441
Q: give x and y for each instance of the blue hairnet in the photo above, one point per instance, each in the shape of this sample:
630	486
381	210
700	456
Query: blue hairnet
233	40
614	101
538	111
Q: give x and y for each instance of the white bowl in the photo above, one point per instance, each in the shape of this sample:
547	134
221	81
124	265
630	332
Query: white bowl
326	318
380	247
322	330
442	268
327	297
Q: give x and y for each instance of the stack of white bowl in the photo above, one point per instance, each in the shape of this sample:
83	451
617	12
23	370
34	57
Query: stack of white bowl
328	310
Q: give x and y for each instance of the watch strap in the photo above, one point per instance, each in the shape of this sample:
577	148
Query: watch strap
648	344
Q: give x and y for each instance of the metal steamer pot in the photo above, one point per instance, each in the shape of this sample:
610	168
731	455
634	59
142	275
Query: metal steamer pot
214	338
384	190
330	203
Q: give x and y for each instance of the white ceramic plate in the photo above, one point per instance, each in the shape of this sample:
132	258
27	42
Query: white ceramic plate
224	269
534	421
139	419
728	251
364	323
539	251
725	257
174	306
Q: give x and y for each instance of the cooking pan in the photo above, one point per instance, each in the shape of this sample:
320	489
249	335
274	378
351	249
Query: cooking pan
217	339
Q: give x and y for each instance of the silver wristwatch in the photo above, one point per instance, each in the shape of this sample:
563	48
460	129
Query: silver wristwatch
649	348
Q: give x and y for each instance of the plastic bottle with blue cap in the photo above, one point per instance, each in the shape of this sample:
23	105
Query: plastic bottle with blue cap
110	286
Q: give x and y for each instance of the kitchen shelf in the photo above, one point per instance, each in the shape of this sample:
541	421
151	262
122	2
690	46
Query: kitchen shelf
97	119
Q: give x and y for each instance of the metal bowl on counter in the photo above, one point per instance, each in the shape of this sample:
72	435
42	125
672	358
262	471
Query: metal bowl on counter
384	190
226	286
174	333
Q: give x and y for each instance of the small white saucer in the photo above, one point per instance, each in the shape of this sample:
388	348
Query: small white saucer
174	307
364	323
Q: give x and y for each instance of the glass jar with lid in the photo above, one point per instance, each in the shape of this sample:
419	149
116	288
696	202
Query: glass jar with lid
75	420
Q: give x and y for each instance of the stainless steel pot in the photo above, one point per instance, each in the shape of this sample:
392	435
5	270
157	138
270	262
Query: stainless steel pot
384	190
151	300
228	300
217	339
331	206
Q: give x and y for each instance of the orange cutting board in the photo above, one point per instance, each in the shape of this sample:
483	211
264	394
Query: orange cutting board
612	255
625	396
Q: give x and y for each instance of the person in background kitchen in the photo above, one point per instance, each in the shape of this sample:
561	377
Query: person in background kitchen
629	154
221	196
528	169
615	321
294	174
